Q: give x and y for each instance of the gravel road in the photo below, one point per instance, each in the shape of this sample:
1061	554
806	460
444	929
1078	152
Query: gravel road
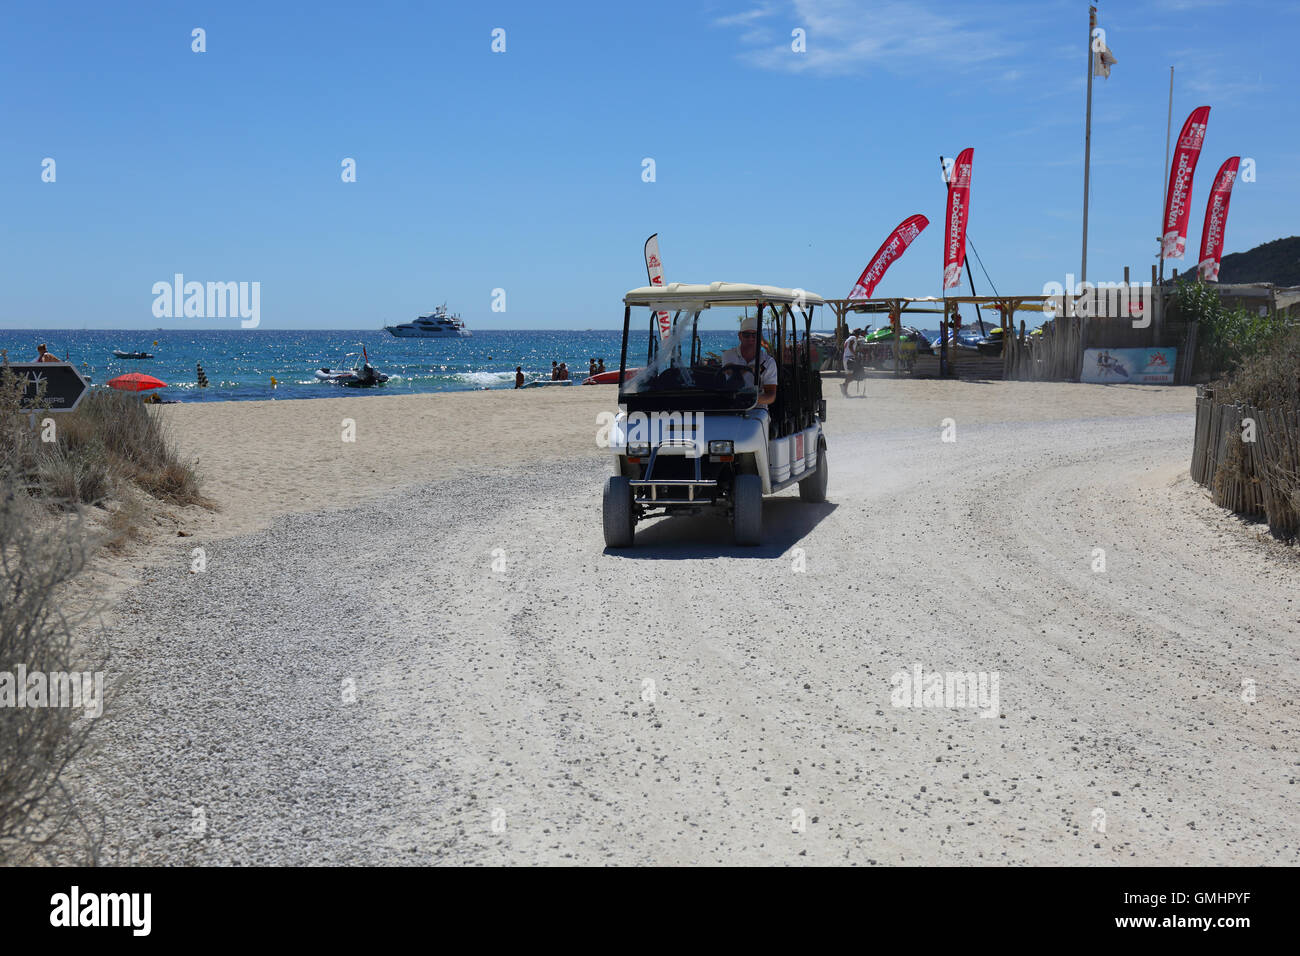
462	674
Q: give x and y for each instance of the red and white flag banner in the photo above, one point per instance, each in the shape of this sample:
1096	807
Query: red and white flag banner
954	248
1173	232
1216	220
654	268
893	247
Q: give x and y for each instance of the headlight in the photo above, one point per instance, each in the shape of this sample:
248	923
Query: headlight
721	447
638	449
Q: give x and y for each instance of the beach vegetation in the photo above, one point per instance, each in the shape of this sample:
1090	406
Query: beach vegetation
1226	339
109	445
1266	390
42	817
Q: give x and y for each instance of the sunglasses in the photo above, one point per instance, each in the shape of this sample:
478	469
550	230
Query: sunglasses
748	335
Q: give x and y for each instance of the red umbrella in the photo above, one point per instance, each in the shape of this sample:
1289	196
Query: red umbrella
135	382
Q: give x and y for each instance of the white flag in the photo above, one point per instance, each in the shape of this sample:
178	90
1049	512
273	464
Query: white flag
1102	62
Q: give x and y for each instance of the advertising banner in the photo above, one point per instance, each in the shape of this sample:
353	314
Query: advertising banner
1178	207
1129	366
893	247
1216	220
954	247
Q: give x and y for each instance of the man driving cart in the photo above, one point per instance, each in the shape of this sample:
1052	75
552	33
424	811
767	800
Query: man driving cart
740	361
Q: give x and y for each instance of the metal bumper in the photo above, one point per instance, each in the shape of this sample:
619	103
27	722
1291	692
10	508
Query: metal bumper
639	485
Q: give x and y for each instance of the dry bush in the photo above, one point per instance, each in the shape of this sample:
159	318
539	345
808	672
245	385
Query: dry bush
110	438
38	554
82	478
109	442
1269	380
135	446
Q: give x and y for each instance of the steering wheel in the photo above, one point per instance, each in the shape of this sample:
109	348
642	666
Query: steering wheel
738	367
735	371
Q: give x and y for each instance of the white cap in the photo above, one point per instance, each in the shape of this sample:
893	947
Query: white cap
750	324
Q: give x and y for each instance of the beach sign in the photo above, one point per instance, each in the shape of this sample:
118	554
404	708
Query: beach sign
1130	366
64	385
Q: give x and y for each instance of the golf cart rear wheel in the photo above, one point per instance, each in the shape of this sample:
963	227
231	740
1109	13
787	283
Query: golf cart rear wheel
747	520
617	512
813	488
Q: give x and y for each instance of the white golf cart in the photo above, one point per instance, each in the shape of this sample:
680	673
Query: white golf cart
691	433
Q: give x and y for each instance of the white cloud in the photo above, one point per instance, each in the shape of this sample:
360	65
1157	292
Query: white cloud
1181	5
746	18
850	36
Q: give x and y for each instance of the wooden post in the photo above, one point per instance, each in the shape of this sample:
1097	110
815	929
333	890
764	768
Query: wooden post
896	323
1157	305
943	342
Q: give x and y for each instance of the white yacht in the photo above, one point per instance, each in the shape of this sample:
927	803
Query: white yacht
438	324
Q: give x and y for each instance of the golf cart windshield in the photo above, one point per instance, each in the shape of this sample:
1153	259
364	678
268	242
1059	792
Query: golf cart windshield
704	362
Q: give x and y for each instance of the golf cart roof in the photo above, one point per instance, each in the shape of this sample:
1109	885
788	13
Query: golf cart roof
681	295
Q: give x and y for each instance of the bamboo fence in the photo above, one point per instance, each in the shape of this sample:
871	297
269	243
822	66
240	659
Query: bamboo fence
1256	479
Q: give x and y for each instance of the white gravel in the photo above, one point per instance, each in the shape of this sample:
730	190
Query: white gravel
500	716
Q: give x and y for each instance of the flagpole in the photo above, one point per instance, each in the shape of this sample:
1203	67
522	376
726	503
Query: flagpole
1087	145
1164	193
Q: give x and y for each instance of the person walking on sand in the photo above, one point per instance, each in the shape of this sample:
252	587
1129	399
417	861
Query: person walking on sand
519	376
44	356
850	362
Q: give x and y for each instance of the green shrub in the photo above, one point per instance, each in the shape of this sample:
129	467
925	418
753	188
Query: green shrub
1225	339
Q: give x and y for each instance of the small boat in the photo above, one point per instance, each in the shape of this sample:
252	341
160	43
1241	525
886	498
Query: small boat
609	377
325	374
364	375
132	355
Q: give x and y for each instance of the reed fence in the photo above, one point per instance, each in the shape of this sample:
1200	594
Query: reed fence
1249	458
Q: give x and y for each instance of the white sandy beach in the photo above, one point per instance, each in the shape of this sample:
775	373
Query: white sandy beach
448	568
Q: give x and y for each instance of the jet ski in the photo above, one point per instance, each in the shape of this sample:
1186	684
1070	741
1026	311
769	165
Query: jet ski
132	355
885	334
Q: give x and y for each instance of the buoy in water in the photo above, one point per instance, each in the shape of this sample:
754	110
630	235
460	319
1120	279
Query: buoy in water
203	379
274	383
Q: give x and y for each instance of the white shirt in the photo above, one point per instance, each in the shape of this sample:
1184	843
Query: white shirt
850	345
766	367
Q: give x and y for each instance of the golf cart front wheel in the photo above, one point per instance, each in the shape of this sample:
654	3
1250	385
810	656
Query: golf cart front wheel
617	513
747	520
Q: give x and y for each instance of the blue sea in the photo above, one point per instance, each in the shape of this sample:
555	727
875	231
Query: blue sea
241	363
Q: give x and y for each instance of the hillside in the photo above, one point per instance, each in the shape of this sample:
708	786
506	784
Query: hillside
1277	262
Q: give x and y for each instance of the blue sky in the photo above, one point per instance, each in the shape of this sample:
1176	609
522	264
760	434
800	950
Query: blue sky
522	170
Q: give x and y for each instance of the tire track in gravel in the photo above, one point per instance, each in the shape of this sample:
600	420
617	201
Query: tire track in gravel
516	697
